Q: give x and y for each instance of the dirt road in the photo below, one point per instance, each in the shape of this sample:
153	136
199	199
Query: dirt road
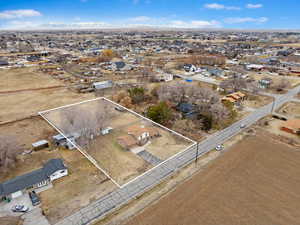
257	182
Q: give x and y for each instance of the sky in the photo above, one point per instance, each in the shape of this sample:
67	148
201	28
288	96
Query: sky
216	14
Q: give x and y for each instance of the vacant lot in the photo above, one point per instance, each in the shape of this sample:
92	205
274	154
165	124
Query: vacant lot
20	105
25	78
27	131
256	182
257	101
291	109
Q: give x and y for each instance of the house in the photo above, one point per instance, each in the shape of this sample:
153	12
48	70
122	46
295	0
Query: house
52	170
164	77
187	109
189	68
291	126
106	130
60	140
120	65
102	85
255	67
137	136
216	72
3	63
265	82
236	97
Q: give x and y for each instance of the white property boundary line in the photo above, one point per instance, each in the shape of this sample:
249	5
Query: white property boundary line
92	160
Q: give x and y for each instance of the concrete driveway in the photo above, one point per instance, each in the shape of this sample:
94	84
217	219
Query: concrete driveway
33	217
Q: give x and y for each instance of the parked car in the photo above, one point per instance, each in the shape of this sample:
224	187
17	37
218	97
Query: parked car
220	147
20	208
242	125
35	200
120	109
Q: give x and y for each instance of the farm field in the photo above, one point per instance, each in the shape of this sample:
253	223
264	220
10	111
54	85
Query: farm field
244	186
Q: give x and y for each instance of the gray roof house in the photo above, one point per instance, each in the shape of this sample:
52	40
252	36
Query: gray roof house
52	170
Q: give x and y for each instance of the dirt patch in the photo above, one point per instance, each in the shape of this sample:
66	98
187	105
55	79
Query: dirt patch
291	109
244	186
257	101
122	165
23	104
28	131
167	145
25	78
10	220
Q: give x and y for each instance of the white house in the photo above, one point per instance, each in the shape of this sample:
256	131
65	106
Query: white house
52	170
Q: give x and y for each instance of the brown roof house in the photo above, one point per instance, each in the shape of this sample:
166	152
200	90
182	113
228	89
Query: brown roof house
291	126
236	97
137	135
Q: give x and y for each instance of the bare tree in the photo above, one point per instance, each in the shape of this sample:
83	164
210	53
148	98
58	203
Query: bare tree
8	152
85	123
282	85
234	84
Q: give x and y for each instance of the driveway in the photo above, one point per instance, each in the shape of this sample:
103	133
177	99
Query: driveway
33	217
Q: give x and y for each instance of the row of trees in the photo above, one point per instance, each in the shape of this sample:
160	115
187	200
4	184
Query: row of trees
211	112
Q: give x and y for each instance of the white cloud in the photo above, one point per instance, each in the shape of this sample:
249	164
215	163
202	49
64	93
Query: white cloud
194	24
140	19
13	14
136	22
220	6
254	6
246	20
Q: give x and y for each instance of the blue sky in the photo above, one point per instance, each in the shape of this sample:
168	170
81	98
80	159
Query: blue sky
240	14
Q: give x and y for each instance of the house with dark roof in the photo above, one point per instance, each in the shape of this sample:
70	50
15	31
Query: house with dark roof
120	65
3	63
52	170
188	110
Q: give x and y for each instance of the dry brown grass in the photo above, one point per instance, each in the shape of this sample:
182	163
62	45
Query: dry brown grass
256	182
25	78
84	184
291	109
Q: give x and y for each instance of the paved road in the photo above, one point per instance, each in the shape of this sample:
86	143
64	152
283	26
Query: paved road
121	196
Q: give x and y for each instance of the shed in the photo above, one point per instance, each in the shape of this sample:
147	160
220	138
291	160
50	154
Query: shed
40	145
102	84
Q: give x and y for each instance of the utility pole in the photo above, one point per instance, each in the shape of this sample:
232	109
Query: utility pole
273	105
197	153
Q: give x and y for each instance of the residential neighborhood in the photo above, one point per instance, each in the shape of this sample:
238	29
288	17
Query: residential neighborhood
189	118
